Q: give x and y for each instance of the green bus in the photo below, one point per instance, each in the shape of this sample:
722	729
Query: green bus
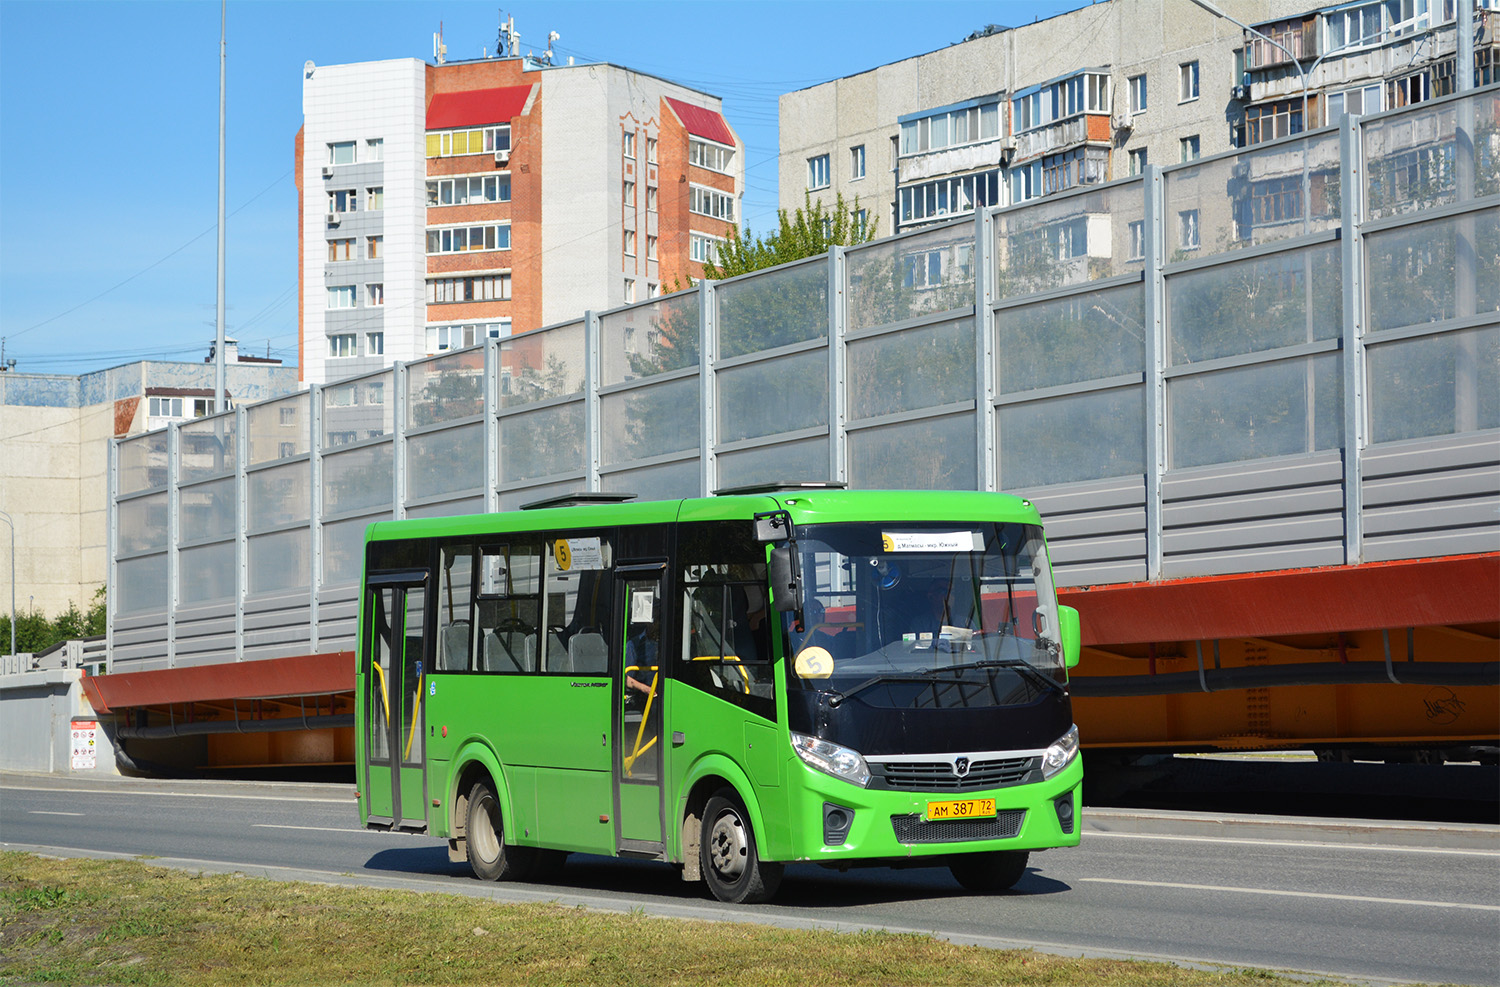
775	675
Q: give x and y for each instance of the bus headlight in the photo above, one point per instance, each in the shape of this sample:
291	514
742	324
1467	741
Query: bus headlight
831	758
1061	753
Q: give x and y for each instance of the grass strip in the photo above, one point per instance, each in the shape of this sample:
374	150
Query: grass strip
85	922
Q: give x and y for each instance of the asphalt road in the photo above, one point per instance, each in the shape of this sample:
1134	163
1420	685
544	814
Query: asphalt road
1370	901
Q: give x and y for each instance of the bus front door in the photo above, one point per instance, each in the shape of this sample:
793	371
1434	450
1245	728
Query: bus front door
638	711
394	666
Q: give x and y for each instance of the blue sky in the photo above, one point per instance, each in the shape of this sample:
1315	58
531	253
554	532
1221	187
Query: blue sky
109	137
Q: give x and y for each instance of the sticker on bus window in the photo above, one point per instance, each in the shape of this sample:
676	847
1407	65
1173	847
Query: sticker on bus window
578	554
814	663
642	607
931	541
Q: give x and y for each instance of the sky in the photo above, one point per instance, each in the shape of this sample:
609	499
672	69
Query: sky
109	116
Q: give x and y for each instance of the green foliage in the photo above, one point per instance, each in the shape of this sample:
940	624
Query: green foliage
35	632
808	232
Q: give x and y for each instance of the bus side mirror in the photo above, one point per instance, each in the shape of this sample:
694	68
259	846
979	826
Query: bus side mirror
786	589
1071	633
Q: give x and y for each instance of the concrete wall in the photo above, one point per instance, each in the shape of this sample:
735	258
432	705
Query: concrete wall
36	732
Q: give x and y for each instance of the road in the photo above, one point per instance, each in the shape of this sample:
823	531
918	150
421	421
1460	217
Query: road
1355	900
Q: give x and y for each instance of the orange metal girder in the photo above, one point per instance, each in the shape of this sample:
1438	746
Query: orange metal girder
300	675
1460	589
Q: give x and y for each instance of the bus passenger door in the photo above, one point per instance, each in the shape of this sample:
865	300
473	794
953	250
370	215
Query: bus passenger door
638	680
394	663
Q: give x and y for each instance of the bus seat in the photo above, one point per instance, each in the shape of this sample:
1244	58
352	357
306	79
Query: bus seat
588	653
453	647
505	651
558	658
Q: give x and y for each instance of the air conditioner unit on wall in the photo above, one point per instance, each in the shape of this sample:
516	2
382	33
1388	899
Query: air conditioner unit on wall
1123	121
1240	92
502	157
328	171
333	219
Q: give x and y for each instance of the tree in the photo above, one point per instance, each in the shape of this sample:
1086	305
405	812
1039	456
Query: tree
808	232
35	633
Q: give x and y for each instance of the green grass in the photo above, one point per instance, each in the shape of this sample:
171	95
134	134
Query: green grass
125	922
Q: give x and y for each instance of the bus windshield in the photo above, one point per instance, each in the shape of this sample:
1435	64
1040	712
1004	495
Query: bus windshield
904	603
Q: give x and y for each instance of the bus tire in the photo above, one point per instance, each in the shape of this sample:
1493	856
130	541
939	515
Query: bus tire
990	873
731	866
484	840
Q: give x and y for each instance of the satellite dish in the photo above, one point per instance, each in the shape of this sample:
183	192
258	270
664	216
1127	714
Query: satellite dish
308	68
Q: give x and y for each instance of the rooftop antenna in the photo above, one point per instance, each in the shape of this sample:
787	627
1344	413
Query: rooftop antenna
551	37
508	43
219	305
439	50
4	363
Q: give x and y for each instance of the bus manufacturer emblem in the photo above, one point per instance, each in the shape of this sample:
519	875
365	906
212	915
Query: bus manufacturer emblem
960	766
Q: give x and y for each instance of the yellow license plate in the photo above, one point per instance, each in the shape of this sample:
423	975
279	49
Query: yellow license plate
960	809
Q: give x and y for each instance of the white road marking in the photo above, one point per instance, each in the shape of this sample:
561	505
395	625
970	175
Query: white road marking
181	795
320	829
1293	844
1293	894
44	812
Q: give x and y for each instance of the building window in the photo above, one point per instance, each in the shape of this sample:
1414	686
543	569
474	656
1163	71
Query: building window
1187	82
342	345
1138	161
341	296
480	288
629	243
443	144
1404	92
817	172
461	191
1137	93
375	293
653	290
440	338
650	248
1083	166
856	163
375	390
375	149
375	197
627	192
937	267
1190	147
165	408
341	153
463	239
703	249
374	245
629	290
374	344
947	128
711	202
650	199
285	450
343	200
1138	240
861	219
651	149
948	196
342	249
1187	229
288	417
1271	120
1086	92
630	143
714	157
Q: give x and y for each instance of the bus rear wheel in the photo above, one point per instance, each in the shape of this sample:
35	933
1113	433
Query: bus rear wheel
484	840
731	866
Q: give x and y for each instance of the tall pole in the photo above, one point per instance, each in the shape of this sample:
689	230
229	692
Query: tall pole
219	319
6	518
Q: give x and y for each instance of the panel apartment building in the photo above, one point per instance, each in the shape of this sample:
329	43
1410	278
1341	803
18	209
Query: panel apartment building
1012	114
441	204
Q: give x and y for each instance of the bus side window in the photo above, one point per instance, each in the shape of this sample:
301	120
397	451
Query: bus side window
579	596
727	646
507	613
455	585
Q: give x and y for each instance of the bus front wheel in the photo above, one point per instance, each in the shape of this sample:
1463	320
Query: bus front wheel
484	840
992	872
731	865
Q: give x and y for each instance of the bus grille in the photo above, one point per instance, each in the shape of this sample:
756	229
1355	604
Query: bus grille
938	776
912	829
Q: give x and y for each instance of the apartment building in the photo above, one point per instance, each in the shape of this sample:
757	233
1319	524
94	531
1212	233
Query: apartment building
1013	114
442	204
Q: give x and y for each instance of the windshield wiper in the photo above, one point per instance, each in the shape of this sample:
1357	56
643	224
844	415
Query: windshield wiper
839	697
1029	670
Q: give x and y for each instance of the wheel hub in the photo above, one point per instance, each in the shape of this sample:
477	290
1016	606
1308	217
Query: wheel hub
727	847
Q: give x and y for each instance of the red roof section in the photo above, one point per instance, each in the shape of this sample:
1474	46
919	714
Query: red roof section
476	107
702	123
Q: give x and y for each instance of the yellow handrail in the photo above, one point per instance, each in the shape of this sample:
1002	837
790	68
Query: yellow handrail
416	707
385	696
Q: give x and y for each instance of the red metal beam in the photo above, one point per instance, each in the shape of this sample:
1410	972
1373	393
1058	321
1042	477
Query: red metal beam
1459	589
301	675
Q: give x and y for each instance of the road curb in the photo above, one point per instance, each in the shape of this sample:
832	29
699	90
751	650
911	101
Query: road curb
1366	832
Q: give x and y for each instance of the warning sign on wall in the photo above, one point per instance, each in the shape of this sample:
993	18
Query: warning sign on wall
85	744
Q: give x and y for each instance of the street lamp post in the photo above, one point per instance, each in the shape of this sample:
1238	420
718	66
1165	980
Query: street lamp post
6	518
